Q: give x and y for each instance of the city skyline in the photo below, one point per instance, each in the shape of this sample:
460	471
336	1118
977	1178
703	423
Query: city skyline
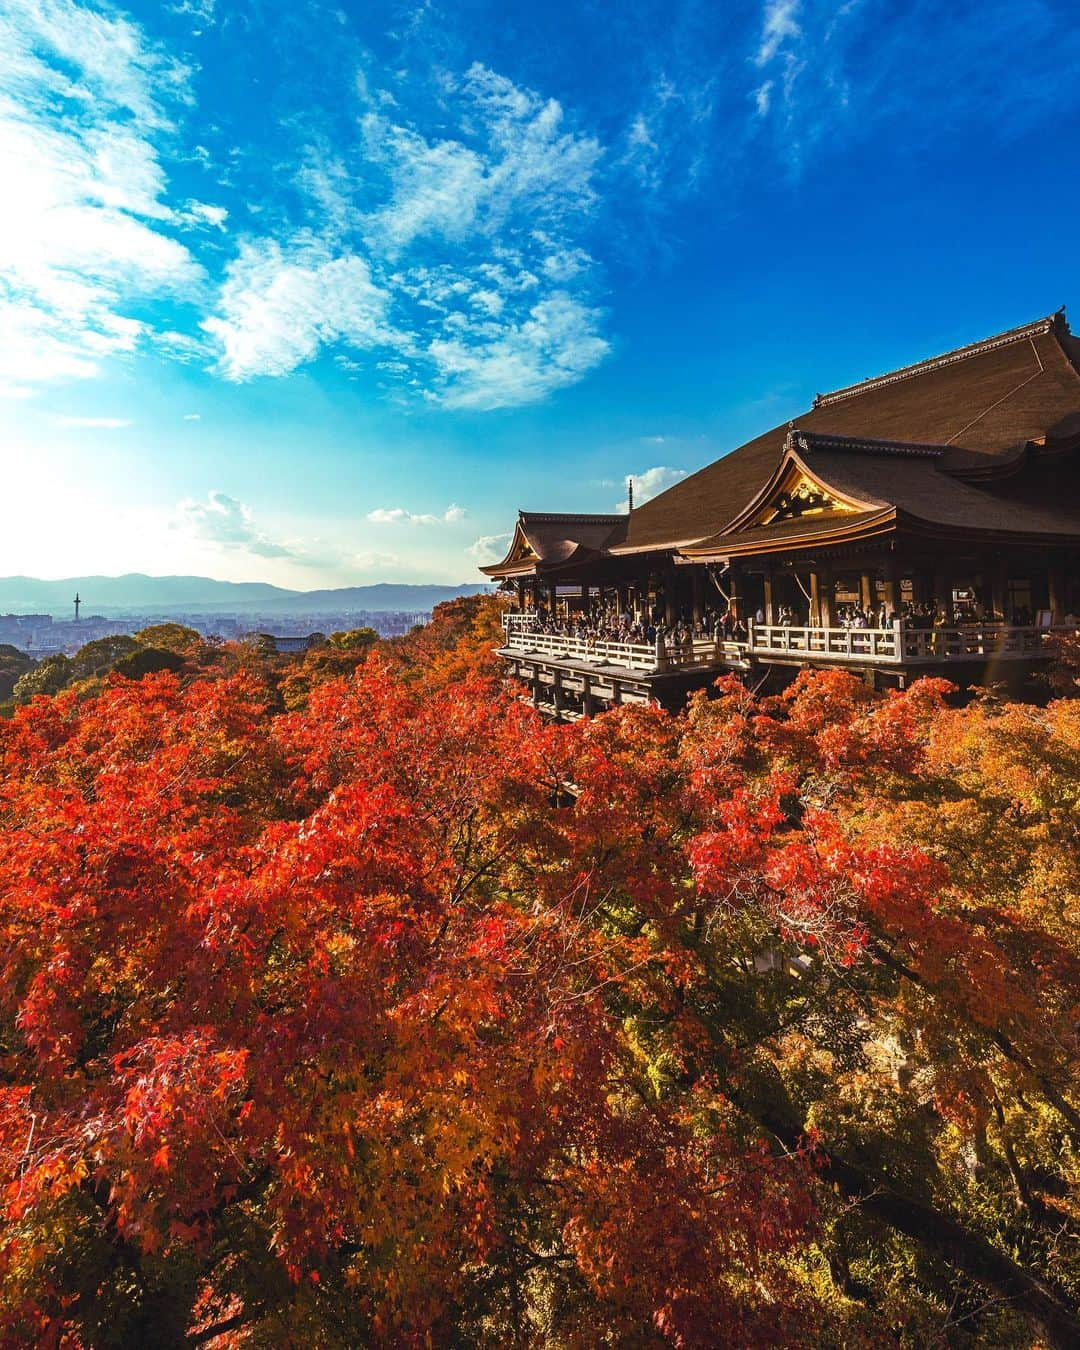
320	295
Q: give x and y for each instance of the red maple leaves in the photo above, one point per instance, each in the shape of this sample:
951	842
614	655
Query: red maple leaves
404	1010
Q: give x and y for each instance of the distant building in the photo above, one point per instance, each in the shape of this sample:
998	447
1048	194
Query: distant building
288	642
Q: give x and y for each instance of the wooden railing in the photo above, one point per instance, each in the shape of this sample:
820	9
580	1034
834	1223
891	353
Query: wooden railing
901	644
842	644
897	645
661	655
994	641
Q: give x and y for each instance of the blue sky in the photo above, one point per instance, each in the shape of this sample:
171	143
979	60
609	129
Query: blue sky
320	294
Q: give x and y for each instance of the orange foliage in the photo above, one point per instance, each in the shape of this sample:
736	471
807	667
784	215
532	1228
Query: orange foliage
398	1012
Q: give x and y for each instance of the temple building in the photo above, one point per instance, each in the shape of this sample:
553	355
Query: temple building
924	521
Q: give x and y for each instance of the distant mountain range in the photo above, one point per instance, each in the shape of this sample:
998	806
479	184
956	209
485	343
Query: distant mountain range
136	593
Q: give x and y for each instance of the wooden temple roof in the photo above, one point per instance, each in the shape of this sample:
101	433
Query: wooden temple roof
983	403
943	447
548	540
878	485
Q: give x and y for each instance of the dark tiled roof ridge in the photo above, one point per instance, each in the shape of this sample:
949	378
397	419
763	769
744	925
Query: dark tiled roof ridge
823	440
572	517
1029	330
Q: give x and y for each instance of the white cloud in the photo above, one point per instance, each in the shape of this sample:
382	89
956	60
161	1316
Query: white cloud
669	139
779	24
528	161
554	346
397	515
489	548
105	423
449	262
649	483
224	521
564	264
280	305
437	189
203	213
83	100
193	417
491	302
201	11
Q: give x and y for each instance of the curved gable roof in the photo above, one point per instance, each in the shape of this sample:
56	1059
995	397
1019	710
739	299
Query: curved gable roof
981	403
546	540
886	482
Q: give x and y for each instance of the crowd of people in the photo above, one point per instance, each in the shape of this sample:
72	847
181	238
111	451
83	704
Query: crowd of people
608	624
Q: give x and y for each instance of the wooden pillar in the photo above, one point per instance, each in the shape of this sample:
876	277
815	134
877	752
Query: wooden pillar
815	600
696	601
588	703
735	592
996	571
556	691
866	590
1056	588
767	587
892	588
520	585
826	593
671	608
943	590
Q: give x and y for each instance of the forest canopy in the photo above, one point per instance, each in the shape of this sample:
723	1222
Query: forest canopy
344	1001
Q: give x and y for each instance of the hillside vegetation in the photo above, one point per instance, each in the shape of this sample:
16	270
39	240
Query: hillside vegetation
344	1002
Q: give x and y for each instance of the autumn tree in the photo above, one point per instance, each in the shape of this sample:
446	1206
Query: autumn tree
305	1036
171	637
338	656
459	641
14	664
49	676
391	1014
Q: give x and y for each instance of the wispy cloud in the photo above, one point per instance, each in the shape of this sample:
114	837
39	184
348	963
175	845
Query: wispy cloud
85	102
649	483
556	344
447	267
200	11
281	303
227	522
832	75
779	25
397	515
